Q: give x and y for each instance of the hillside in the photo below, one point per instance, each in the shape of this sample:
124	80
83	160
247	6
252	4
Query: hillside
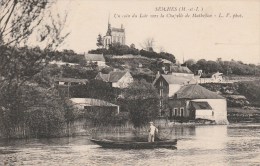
238	94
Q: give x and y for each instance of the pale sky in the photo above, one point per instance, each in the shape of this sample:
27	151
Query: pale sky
189	38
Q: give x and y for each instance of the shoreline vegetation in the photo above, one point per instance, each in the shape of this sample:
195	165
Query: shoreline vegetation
235	115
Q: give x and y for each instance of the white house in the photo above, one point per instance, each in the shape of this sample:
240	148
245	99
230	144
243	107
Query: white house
201	103
118	79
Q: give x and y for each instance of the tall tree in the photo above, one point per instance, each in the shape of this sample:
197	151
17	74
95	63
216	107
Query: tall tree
142	102
99	41
23	23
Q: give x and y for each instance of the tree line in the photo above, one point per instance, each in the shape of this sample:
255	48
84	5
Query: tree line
227	67
117	49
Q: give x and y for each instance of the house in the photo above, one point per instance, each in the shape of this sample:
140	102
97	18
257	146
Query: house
95	58
194	102
118	79
167	85
211	78
70	81
90	104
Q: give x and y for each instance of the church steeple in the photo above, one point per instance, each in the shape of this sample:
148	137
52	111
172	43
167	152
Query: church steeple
108	26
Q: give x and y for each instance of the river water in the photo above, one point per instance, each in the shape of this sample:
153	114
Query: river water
235	144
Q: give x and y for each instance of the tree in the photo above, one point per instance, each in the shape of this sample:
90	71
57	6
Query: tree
168	56
142	102
189	62
100	41
202	63
132	46
21	23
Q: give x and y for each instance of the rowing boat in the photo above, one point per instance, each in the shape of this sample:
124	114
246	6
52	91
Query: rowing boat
135	145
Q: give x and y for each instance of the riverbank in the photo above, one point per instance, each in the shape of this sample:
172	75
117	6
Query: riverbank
79	128
245	115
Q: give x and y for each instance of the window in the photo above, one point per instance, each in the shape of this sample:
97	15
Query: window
175	111
161	83
161	92
182	112
171	113
178	113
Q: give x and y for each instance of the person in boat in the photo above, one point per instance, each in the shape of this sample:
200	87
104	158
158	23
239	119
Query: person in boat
152	131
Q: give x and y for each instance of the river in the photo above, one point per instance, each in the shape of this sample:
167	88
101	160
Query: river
235	144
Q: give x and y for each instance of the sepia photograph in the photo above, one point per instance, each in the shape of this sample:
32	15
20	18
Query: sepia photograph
129	82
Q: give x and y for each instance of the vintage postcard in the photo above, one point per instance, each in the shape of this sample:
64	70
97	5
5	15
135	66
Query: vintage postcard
130	82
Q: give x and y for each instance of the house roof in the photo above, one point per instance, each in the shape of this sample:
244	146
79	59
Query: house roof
116	76
196	91
71	80
95	57
173	79
201	105
103	77
113	76
180	69
92	102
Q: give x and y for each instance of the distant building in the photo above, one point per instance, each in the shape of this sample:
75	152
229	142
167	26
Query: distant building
70	81
90	104
211	78
194	102
95	58
114	35
118	79
61	63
